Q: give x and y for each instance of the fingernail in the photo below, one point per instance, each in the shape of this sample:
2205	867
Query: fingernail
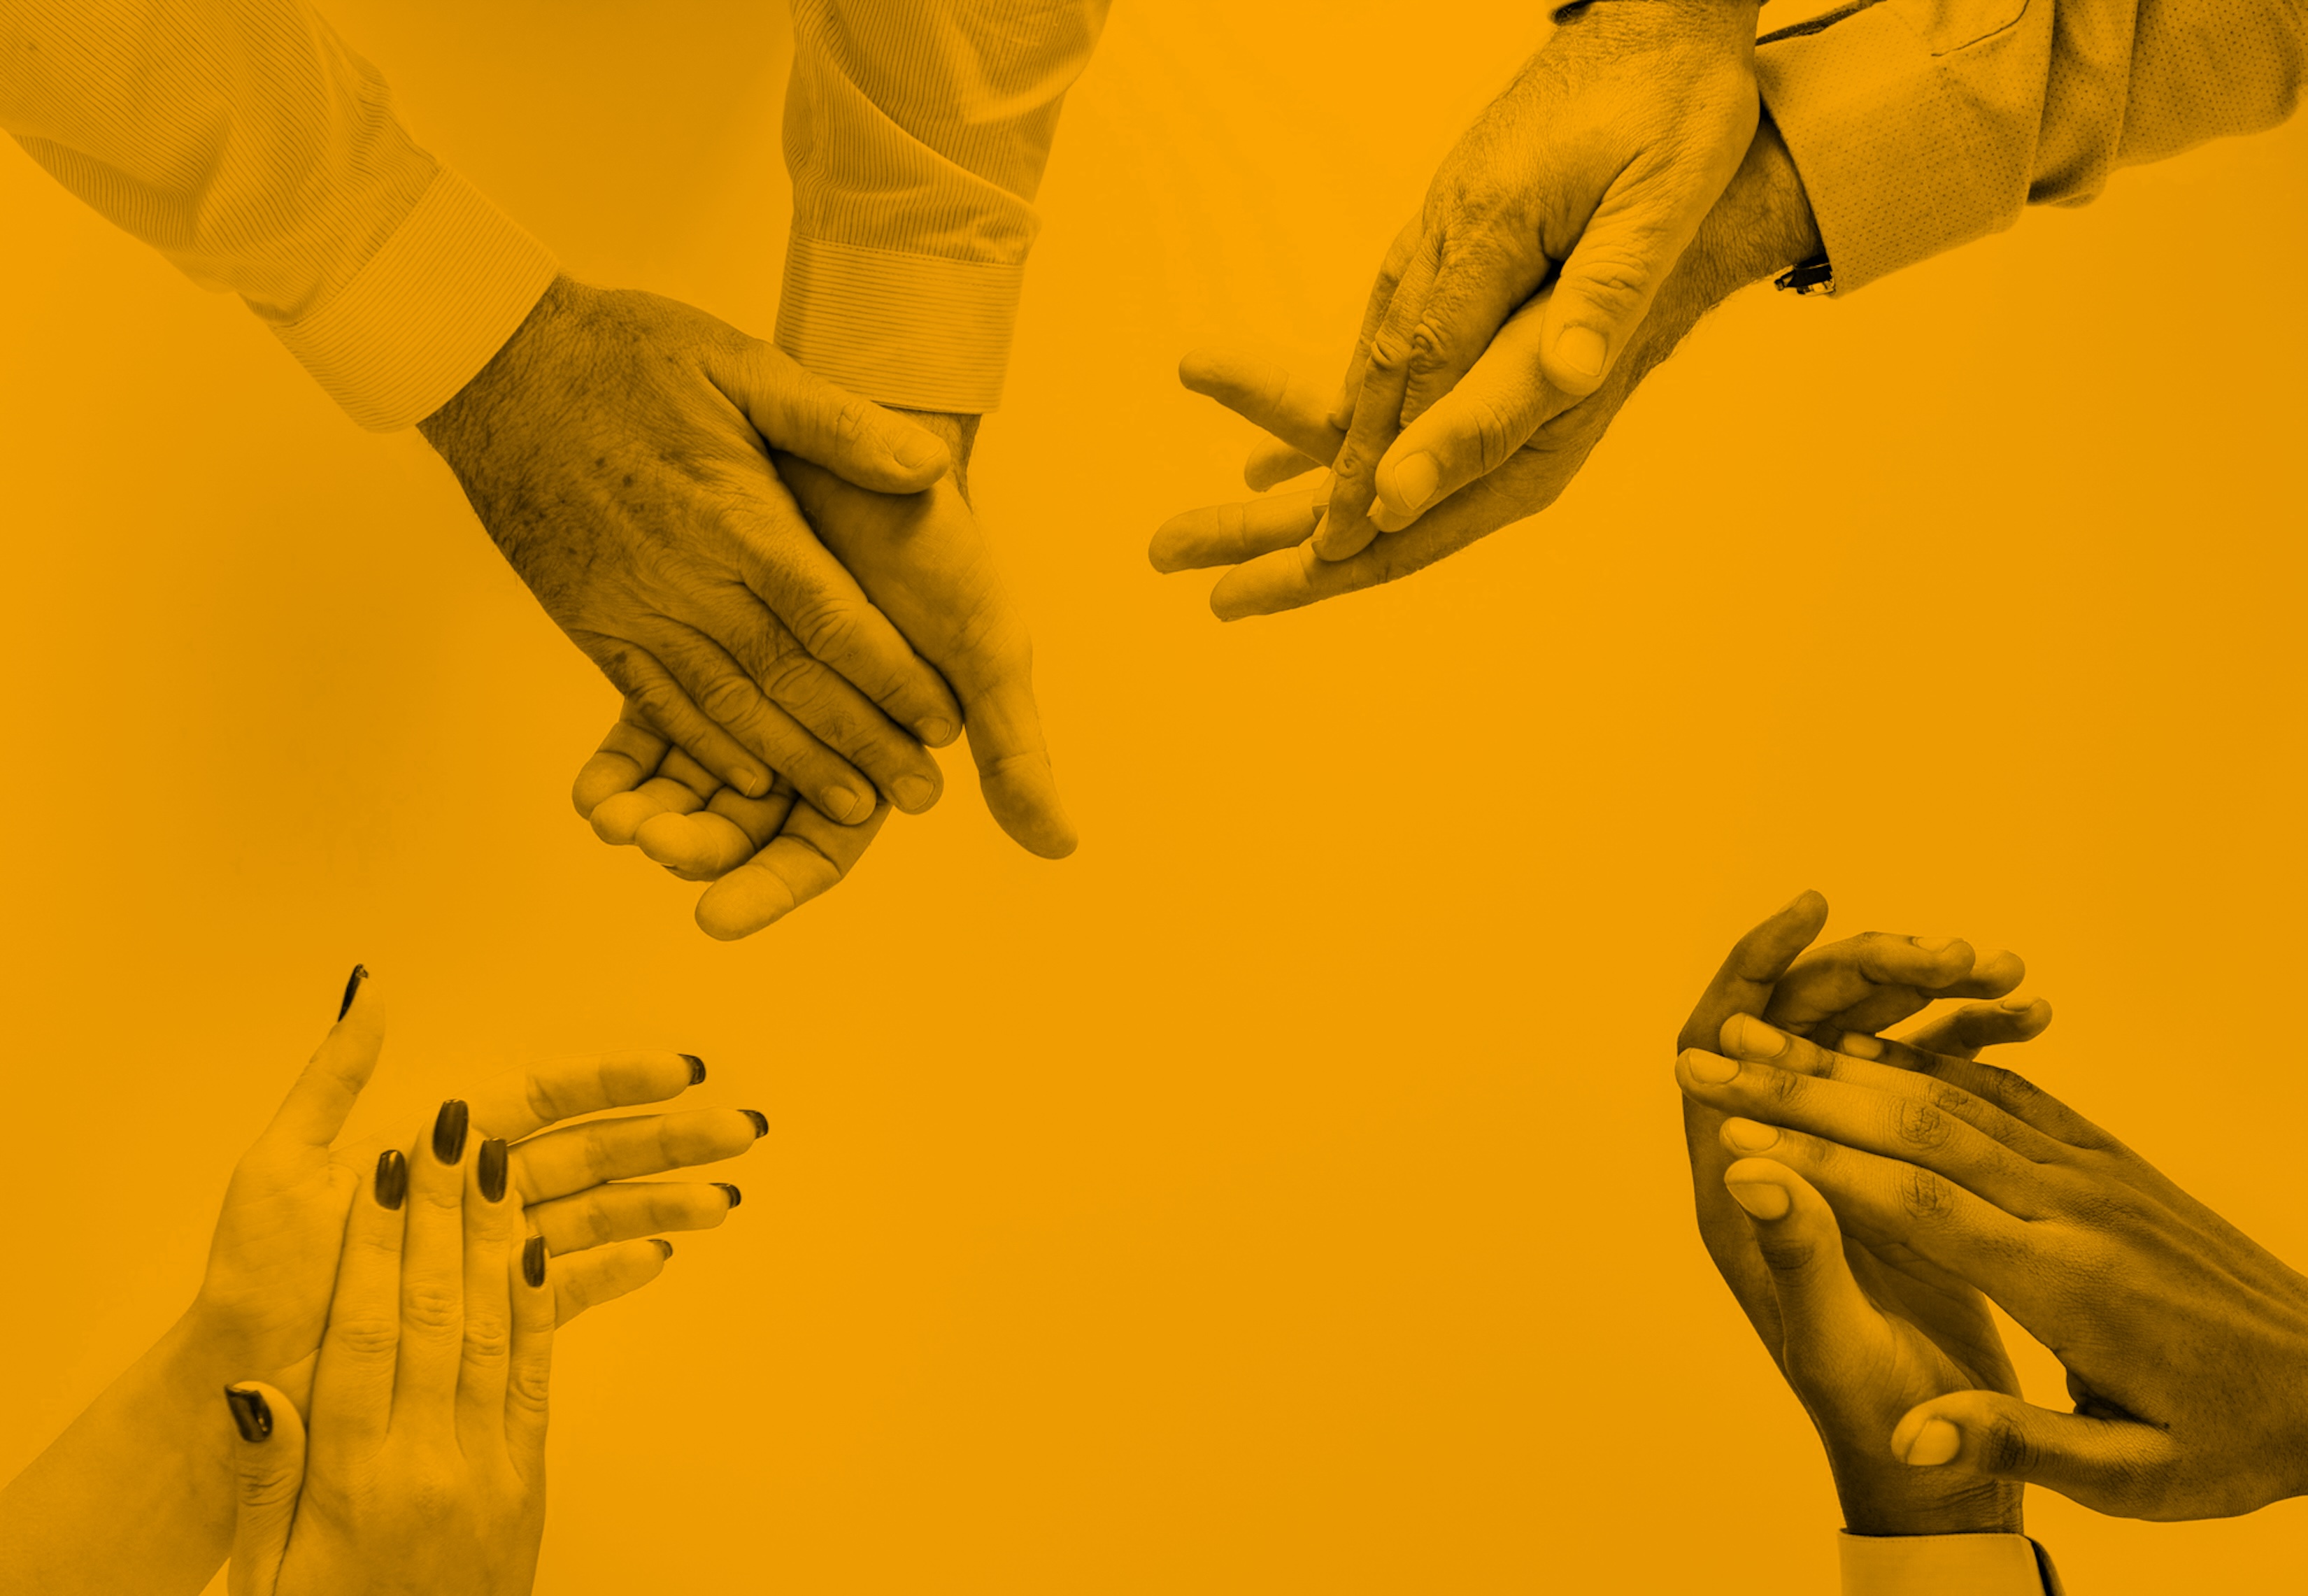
1745	1135
664	1247
841	802
490	1169
1580	351
1415	482
1750	1038
1761	1198
1936	1443
696	1069
251	1415
1791	902
935	732
391	1177
753	784
760	1121
1710	1068
352	990
2017	1005
915	449
1933	944
532	1261
449	1131
730	1192
915	794
1858	1044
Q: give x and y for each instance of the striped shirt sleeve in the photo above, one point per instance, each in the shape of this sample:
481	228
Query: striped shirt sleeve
916	132
244	140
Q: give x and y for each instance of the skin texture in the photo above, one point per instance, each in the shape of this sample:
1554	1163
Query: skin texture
615	450
1901	1329
423	1471
1592	172
1760	224
153	1449
2184	1340
925	560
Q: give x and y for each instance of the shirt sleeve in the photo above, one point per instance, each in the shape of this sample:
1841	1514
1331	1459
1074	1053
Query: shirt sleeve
244	140
1919	125
916	131
1946	1565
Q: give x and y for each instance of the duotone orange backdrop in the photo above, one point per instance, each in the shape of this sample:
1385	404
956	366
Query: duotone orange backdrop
1285	1193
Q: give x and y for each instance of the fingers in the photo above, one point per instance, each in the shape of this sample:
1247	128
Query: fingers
1895	1125
579	1156
1004	726
1889	1201
589	1278
1744	983
1273	462
1390	267
1824	1317
1231	534
1991	975
1473	428
628	757
521	1103
433	1276
855	439
268	1468
1962	1033
1347	528
2011	1092
1268	396
1835	979
1294	578
628	1211
810	856
353	1383
316	1108
2111	1465
493	1236
528	1364
651	692
708	846
1647	219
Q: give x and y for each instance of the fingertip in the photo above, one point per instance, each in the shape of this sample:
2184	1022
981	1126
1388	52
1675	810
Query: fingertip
1023	798
1198	370
1577	360
742	902
616	820
1935	1441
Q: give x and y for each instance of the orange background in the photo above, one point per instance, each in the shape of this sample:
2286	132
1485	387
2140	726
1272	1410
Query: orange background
1284	1194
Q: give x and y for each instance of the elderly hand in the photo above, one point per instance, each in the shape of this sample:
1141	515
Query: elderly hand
421	1466
1760	223
1602	157
614	449
2184	1340
1861	1331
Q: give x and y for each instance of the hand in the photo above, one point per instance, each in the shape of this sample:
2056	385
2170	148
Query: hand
764	857
613	450
265	1294
925	561
1760	223
2182	1339
422	1468
1861	1329
1604	157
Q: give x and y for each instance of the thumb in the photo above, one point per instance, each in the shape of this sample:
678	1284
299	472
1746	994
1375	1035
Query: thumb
804	414
2110	1466
1824	1317
316	1108
1013	765
1640	229
268	1467
1473	430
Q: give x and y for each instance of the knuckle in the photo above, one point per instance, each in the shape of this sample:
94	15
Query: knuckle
432	1307
1780	1088
2006	1449
1923	1195
487	1341
529	1386
369	1338
729	702
1390	351
827	629
853	421
1787	1255
1923	1125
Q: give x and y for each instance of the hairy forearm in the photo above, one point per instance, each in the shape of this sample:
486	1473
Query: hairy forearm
137	1494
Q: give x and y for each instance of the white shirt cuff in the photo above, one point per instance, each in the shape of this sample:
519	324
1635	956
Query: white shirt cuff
428	310
1945	1565
923	332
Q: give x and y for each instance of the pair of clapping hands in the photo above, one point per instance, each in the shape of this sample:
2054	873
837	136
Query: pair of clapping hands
376	1323
1862	1197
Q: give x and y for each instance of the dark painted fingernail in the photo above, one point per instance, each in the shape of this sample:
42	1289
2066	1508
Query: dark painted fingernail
532	1261
352	990
250	1414
730	1192
391	1177
664	1247
449	1128
490	1167
696	1069
760	1121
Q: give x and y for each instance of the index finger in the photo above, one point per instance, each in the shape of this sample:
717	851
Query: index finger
1267	395
523	1102
1744	983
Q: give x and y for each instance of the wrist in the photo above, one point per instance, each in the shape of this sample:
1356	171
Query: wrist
957	430
1878	1503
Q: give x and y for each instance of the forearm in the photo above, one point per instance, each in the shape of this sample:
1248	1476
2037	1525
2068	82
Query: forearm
137	1494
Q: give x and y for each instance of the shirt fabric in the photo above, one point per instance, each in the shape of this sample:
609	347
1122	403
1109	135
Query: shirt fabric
1920	125
1945	1565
